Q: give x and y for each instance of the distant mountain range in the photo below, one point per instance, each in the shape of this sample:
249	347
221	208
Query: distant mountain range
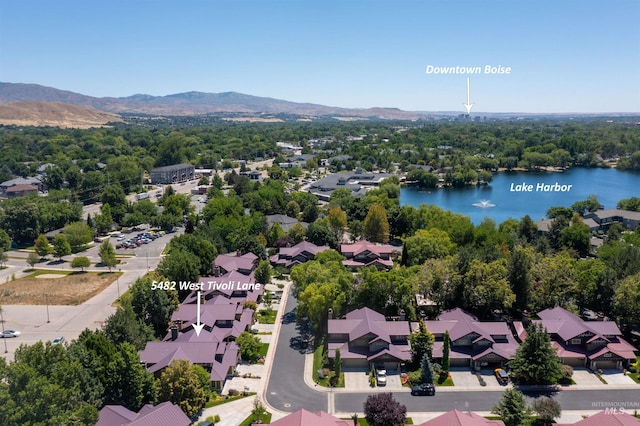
192	103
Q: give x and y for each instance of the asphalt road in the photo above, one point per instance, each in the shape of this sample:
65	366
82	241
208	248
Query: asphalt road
286	390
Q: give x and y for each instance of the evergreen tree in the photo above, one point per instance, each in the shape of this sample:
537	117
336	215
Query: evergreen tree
445	352
518	274
421	343
337	365
512	408
426	369
536	361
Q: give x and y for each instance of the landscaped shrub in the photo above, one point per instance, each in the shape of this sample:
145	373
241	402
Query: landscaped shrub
415	377
632	369
481	379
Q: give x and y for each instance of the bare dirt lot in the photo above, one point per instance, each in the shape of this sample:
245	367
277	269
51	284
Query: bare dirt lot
62	289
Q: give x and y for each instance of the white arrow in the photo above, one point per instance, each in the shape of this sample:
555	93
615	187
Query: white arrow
468	105
197	326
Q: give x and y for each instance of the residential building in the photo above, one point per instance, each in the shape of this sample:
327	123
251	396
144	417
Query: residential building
285	222
21	190
604	218
33	180
175	173
300	253
365	253
592	344
459	418
163	414
612	417
472	343
303	417
225	263
365	337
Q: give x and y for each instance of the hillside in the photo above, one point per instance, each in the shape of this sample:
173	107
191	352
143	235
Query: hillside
191	103
54	114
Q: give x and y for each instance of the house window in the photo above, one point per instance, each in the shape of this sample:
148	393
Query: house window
576	341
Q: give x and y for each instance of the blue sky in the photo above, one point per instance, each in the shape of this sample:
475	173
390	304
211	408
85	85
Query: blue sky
565	55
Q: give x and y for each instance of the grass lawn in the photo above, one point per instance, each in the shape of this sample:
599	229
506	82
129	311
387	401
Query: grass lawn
444	381
61	287
317	365
265	419
635	376
267	316
263	349
224	399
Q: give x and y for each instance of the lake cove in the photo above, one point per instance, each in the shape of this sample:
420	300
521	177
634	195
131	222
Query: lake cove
516	194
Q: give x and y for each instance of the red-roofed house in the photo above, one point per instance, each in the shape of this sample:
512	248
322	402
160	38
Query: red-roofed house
300	253
459	418
365	338
364	253
21	190
163	414
606	418
303	417
226	263
473	343
593	344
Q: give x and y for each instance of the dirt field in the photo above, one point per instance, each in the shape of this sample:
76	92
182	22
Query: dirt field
71	289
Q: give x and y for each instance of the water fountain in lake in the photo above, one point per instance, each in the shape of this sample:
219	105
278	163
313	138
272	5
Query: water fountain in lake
484	204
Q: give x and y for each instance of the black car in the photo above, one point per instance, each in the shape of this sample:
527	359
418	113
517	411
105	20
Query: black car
423	389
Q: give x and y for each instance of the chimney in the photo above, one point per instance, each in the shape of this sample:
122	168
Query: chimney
330	313
174	332
403	315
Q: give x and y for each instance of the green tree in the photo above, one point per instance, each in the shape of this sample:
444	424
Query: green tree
4	257
249	346
127	382
32	259
512	408
337	219
78	234
104	221
107	255
179	265
421	342
42	247
61	246
123	326
519	276
180	384
319	234
445	351
153	307
80	262
115	196
547	409
627	299
536	361
263	272
428	244
426	369
199	247
297	232
337	364
376	225
5	240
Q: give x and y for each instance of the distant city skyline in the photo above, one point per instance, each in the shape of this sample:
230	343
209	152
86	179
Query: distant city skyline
564	56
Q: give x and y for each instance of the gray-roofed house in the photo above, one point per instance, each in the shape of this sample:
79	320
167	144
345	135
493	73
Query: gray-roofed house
604	218
473	343
592	344
365	337
357	182
285	222
164	414
174	173
300	253
32	180
364	253
21	190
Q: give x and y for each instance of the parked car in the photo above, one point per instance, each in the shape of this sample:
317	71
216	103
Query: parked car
10	333
502	376
381	376
423	389
58	340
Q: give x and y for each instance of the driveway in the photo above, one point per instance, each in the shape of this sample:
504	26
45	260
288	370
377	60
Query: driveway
465	378
616	377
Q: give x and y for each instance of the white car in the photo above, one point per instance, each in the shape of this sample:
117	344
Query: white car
381	377
10	333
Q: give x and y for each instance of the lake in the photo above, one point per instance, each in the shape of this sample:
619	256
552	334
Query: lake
516	194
